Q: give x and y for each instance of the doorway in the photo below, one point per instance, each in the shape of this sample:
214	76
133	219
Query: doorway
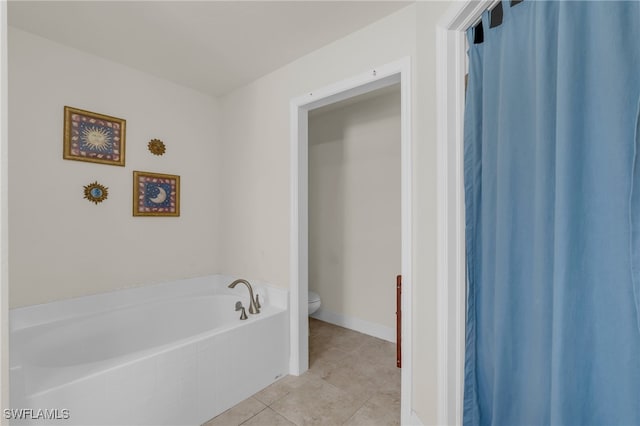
394	73
354	211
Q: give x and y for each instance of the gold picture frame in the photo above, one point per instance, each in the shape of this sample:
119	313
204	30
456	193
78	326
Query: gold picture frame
96	138
96	193
156	194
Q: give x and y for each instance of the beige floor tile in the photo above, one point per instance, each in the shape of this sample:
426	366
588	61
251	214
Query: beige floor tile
391	389
380	409
319	344
361	378
317	327
387	375
321	368
334	355
282	387
267	417
238	414
317	403
379	351
347	340
323	336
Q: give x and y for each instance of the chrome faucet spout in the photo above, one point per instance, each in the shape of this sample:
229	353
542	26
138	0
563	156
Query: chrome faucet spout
253	307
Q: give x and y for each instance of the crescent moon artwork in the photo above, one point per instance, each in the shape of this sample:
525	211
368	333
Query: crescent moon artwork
156	194
162	195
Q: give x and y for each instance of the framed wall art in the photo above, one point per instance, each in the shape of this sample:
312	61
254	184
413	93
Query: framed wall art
95	192
156	147
93	137
156	194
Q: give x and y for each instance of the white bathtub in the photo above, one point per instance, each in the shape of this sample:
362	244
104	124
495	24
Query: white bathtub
175	353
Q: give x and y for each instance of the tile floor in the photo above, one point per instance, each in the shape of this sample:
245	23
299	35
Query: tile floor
352	380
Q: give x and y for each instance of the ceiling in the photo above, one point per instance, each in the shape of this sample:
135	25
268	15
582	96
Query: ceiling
210	46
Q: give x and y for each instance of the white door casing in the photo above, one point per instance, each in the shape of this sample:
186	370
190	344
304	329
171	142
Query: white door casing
450	73
373	79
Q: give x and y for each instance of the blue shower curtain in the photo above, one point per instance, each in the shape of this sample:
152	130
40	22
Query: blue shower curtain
552	187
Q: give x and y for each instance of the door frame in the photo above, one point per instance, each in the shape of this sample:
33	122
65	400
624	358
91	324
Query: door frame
450	73
373	79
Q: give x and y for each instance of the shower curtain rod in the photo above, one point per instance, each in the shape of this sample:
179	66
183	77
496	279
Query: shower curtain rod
491	6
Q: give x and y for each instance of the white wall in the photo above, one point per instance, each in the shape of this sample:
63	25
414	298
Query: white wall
354	209
256	143
63	246
425	296
255	236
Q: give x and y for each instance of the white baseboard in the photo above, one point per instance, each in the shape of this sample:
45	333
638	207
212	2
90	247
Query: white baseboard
362	326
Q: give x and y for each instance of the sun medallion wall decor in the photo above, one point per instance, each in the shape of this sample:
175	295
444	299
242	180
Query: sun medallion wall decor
93	137
95	192
156	147
156	194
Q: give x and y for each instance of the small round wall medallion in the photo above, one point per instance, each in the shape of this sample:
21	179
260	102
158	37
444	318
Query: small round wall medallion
95	192
156	146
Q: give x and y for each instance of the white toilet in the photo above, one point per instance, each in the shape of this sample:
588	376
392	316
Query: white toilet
314	302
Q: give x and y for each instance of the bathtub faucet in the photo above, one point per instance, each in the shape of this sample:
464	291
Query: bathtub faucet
254	308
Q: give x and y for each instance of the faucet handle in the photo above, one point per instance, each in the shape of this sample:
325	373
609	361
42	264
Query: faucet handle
239	307
258	301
